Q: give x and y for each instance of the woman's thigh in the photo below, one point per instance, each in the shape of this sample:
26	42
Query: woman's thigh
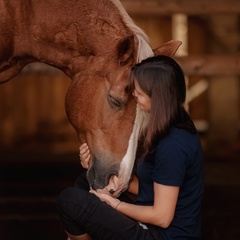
82	212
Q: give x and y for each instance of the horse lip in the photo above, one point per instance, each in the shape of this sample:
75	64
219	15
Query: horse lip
98	176
99	182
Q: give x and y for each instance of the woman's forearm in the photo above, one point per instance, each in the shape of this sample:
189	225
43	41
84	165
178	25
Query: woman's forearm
145	214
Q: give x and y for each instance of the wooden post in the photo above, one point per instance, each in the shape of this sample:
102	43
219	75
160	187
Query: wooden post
224	90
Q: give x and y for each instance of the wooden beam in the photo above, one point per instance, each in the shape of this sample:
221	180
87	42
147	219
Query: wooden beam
189	7
192	65
210	65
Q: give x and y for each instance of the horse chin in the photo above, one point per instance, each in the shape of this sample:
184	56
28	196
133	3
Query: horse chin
98	175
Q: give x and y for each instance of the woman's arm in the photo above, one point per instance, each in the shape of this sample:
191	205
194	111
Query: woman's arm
160	214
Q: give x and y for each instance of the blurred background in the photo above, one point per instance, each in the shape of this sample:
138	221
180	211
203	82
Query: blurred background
39	147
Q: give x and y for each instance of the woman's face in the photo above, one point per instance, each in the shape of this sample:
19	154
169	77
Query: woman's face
143	100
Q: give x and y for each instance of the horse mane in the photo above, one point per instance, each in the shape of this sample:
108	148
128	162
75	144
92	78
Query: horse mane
144	49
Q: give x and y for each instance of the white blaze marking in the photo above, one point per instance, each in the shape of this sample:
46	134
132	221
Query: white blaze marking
127	163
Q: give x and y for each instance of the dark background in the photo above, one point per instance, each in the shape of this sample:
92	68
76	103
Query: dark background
31	181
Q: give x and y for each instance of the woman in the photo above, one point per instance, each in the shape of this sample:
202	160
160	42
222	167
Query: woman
169	182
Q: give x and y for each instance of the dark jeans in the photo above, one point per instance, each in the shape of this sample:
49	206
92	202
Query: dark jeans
82	212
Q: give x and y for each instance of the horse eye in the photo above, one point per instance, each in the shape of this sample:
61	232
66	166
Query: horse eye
115	102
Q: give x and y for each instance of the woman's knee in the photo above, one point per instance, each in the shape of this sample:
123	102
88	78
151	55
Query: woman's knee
82	182
71	194
71	208
70	201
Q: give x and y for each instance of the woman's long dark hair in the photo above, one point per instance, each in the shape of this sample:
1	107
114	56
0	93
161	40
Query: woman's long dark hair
162	79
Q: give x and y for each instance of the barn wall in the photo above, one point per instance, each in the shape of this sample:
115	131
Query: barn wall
224	90
32	112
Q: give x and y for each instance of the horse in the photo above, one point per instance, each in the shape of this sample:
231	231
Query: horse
95	43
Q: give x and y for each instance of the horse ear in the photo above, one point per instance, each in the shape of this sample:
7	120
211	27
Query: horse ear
168	48
125	50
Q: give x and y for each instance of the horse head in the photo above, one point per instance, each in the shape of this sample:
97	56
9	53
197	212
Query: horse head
102	110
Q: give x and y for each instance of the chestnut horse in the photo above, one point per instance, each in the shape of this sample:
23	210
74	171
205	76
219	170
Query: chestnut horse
95	43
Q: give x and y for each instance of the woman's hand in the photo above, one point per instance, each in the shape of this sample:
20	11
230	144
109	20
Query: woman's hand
113	202
85	156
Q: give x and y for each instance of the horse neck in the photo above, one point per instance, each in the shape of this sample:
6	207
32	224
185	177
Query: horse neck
23	39
39	34
13	43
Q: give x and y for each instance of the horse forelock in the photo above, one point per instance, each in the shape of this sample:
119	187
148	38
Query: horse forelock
144	49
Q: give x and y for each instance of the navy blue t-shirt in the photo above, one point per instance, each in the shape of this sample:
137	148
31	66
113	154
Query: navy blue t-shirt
176	161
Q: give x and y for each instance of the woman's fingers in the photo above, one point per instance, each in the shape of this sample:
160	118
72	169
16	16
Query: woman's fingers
85	155
83	149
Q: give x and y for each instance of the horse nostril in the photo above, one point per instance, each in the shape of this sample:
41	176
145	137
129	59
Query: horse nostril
111	191
98	181
99	174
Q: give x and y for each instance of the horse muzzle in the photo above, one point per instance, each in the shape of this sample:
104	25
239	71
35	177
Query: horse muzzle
100	172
